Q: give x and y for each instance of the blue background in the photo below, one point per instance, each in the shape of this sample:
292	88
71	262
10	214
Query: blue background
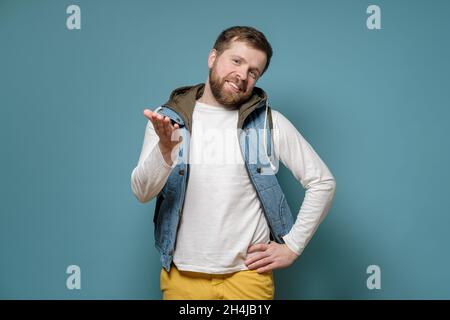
374	104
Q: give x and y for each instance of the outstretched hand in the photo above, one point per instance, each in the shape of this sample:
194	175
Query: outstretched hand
168	134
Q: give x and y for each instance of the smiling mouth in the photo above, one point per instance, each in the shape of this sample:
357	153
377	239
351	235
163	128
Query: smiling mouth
233	86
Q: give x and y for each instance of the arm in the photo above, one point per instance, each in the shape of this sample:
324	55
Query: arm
307	167
158	158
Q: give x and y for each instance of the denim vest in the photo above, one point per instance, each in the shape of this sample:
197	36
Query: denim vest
257	148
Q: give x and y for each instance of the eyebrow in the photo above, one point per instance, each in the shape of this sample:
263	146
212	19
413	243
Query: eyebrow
254	68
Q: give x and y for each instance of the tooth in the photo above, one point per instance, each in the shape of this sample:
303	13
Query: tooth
234	85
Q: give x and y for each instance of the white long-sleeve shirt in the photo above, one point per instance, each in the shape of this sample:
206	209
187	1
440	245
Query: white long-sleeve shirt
222	214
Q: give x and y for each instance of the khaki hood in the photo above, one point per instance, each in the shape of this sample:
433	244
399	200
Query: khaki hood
182	100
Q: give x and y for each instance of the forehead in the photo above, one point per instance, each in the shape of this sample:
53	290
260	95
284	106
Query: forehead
253	56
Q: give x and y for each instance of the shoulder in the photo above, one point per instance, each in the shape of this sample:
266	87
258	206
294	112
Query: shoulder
280	121
284	128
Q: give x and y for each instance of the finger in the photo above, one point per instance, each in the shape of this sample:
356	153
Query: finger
267	268
152	116
257	247
154	121
167	127
260	263
172	134
178	138
176	135
148	113
255	257
157	124
159	121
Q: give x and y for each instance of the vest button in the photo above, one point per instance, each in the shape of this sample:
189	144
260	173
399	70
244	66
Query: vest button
258	169
181	172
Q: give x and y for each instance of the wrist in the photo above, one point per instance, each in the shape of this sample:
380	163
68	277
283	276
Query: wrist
292	253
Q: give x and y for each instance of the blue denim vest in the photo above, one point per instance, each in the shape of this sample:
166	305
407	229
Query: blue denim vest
257	151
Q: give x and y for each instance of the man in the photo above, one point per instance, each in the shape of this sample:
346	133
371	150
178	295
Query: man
222	223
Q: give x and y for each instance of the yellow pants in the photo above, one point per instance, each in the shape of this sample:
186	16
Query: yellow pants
241	285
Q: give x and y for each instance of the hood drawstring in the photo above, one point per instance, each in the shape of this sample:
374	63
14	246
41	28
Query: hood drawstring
264	137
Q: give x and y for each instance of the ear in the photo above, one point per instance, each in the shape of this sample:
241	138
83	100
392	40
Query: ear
213	54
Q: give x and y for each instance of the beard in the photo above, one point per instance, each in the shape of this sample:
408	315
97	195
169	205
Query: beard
225	97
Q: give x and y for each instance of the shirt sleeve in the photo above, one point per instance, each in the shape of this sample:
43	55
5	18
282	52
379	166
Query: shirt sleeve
315	177
152	171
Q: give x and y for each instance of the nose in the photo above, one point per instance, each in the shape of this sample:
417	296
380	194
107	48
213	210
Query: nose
242	73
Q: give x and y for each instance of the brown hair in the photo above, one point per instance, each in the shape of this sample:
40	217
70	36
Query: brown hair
249	35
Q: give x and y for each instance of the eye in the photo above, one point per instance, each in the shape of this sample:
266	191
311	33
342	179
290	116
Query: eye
253	74
236	61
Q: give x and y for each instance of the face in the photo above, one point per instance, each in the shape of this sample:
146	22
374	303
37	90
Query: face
233	74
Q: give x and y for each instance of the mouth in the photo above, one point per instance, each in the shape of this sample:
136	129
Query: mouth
233	86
